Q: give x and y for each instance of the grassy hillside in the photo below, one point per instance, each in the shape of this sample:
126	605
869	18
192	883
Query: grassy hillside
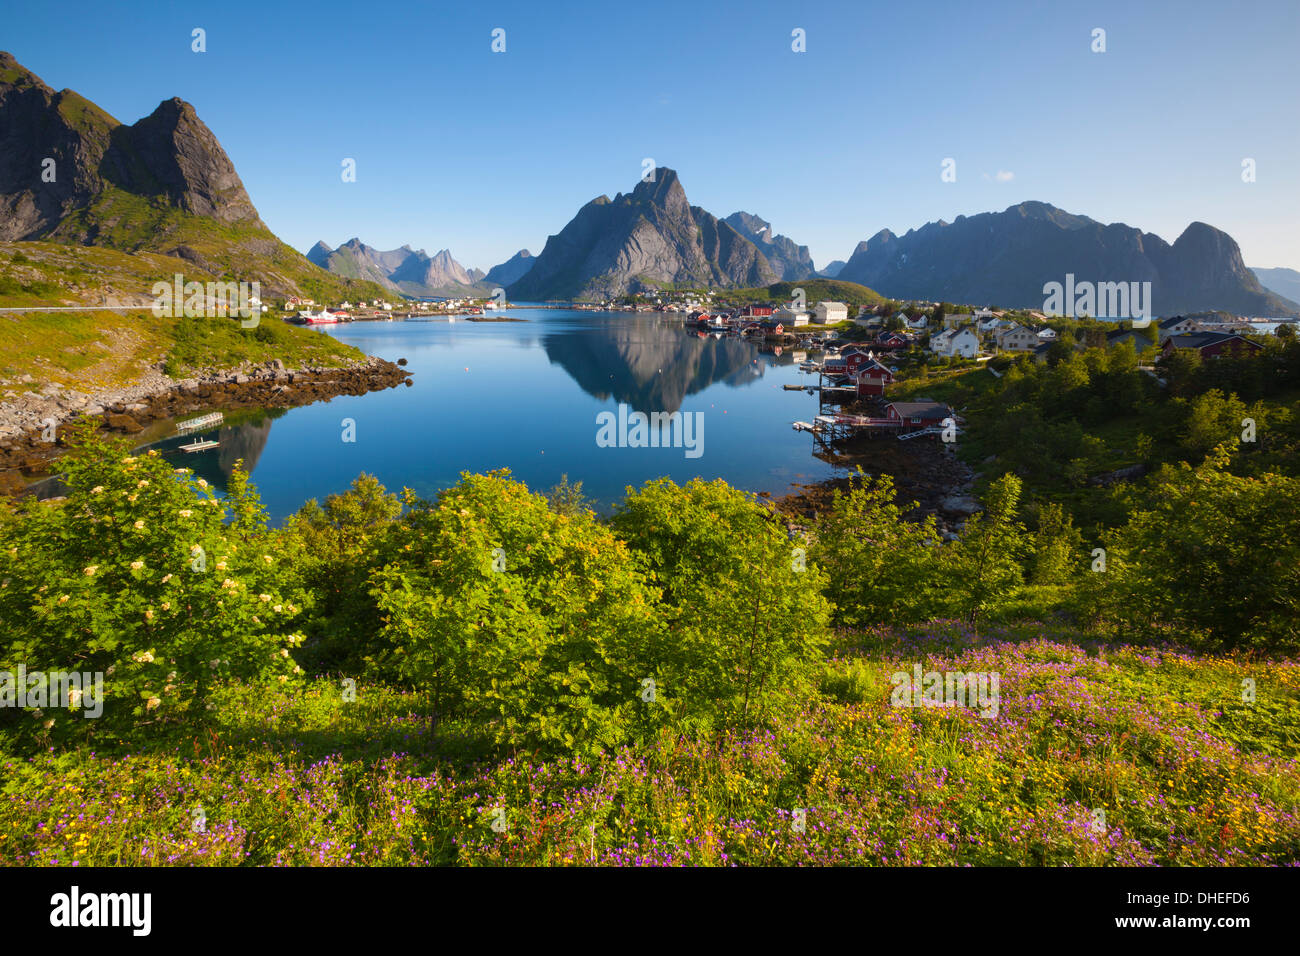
89	350
1127	758
815	290
240	252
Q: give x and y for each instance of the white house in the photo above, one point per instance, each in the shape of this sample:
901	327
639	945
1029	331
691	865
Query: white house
918	324
953	342
1046	335
792	318
981	315
1178	325
1017	338
828	313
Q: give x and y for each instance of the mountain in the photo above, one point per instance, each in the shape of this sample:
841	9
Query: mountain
1005	258
406	270
832	269
71	173
648	239
790	260
1284	282
512	270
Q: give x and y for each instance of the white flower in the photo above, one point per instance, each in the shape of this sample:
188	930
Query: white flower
137	565
185	512
138	525
97	489
283	678
63	598
284	652
264	598
202	483
276	608
148	614
144	657
166	605
266	558
166	577
142	483
90	570
151	703
228	583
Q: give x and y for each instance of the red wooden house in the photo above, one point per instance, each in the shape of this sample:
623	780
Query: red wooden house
918	414
872	378
1211	344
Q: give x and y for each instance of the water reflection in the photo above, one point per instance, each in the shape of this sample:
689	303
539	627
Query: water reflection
650	365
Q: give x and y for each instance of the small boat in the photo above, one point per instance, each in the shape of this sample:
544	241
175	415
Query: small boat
324	317
793	388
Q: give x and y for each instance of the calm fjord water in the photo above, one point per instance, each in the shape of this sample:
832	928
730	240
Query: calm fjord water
525	396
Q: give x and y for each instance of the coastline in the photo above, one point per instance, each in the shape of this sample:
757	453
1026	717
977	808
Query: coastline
26	455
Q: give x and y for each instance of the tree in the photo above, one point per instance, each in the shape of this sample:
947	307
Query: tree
333	550
745	614
536	622
985	562
1210	555
1057	546
881	566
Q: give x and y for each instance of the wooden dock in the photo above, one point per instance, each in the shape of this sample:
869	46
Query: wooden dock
211	420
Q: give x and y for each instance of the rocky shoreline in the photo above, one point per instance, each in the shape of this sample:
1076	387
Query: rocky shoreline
925	471
26	453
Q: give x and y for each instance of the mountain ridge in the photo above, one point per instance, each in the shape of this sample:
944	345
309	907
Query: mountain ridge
1006	258
648	239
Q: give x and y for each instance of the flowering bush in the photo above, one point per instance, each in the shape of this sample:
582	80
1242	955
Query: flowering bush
139	575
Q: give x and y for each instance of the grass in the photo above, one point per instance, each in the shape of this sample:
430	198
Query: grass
85	350
1097	756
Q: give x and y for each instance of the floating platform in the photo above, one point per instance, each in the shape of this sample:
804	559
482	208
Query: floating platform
199	446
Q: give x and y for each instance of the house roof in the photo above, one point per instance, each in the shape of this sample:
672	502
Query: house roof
1170	323
921	409
1201	340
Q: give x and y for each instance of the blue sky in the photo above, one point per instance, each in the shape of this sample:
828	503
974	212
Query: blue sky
485	153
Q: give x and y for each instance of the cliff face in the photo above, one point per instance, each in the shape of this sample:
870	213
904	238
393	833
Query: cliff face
650	238
1005	259
71	173
169	155
791	260
512	270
